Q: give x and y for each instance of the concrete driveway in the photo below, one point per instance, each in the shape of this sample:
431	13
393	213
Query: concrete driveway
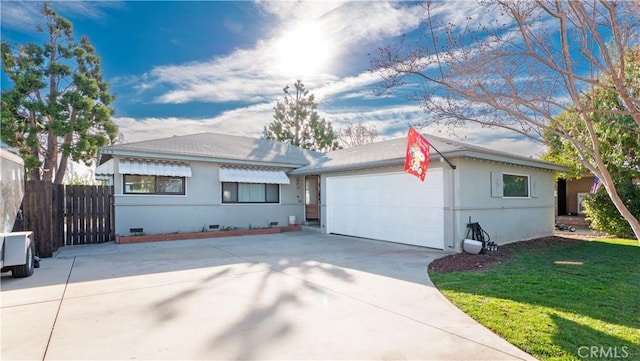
298	295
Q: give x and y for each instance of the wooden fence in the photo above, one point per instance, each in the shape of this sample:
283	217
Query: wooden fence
62	215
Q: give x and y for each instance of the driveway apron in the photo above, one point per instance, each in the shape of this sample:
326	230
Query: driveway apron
290	296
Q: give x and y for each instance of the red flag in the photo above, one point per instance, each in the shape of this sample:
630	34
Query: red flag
417	157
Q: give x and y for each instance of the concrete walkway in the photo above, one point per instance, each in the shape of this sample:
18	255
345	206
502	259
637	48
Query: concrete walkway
289	296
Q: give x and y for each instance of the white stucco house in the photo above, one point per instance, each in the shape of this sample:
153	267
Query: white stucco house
196	182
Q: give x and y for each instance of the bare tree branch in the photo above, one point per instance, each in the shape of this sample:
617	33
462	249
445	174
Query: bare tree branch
539	59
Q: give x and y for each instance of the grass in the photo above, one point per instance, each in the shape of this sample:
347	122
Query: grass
559	303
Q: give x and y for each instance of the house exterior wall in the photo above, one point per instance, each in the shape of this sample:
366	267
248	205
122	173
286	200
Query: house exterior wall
506	220
575	186
467	193
200	207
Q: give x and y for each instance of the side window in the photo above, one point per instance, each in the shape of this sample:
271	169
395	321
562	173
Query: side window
139	184
151	184
234	192
273	193
515	185
229	192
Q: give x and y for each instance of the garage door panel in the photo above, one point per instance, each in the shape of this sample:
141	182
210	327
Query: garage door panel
393	207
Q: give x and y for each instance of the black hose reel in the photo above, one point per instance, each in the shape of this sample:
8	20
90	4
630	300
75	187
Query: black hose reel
475	232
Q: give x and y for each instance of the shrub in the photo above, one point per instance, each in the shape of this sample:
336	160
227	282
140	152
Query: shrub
603	214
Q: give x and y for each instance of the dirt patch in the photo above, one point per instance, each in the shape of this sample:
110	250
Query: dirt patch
477	262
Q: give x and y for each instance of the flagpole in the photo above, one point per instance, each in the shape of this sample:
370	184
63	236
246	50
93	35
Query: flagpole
436	149
442	156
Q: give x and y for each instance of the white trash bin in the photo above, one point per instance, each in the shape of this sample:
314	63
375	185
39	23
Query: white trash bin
472	246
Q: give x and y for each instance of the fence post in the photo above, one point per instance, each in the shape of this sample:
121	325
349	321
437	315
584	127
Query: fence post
38	215
93	195
58	216
110	219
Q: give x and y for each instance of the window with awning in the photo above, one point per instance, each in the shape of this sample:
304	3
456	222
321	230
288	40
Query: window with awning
105	169
251	185
141	167
252	175
153	184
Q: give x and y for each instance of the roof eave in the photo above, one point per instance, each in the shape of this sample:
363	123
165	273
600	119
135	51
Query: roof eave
450	155
526	162
108	153
340	168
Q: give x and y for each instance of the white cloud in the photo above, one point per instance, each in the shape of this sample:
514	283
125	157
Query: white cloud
493	138
297	9
351	21
240	76
390	122
373	21
250	75
357	83
22	16
88	9
25	16
135	130
460	13
247	75
381	117
248	121
393	121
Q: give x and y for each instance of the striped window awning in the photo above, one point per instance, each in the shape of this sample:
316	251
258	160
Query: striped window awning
247	175
105	169
142	167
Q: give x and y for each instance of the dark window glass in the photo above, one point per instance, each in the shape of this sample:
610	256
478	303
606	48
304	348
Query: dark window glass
139	184
233	192
229	192
515	185
151	184
169	185
273	193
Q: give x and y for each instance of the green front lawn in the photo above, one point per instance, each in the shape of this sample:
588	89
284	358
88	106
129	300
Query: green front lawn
558	303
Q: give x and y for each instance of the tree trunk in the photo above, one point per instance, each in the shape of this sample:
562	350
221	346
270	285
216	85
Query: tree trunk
35	174
64	160
62	169
50	158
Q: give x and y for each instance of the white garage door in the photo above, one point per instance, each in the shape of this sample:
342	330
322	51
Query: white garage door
393	207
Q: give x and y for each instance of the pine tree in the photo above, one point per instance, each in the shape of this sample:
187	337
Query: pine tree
297	122
59	106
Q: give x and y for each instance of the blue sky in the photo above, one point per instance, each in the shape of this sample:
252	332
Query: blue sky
198	66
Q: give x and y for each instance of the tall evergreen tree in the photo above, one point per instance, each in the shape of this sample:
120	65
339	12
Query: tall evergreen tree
297	122
59	106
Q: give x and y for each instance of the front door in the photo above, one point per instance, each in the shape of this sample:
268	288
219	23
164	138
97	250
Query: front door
312	197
